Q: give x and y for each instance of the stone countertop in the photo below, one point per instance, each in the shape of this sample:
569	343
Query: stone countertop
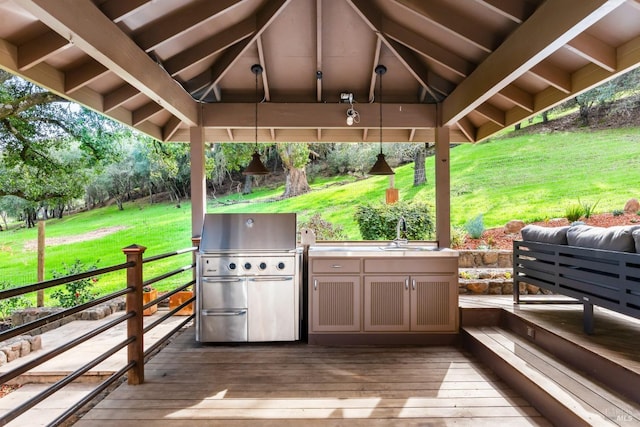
380	249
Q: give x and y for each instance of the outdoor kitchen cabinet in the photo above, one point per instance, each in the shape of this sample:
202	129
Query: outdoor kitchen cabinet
377	295
410	303
335	295
410	294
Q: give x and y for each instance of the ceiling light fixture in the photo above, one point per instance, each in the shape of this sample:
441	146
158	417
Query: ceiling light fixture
256	167
380	167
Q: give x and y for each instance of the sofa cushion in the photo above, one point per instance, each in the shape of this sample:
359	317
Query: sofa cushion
636	238
618	238
554	235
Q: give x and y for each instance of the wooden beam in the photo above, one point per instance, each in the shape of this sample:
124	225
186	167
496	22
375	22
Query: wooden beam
145	112
119	96
518	96
117	10
40	49
184	19
83	75
170	128
209	47
264	18
452	23
319	52
527	46
553	76
467	128
264	74
594	50
83	23
591	75
314	115
443	57
492	113
516	11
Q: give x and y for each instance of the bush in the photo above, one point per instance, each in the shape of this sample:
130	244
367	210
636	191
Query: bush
9	305
588	209
574	212
324	229
475	227
618	212
378	222
76	292
458	235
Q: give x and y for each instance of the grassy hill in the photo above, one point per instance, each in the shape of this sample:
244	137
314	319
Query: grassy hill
529	177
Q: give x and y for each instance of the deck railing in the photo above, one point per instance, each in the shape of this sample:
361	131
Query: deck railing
133	315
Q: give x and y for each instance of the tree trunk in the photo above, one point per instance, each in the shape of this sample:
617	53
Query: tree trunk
296	183
419	177
545	117
248	182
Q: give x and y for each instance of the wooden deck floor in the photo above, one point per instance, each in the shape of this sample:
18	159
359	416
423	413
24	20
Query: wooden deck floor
300	385
188	384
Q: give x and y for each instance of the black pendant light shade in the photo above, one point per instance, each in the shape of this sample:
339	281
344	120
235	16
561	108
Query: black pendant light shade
256	167
381	167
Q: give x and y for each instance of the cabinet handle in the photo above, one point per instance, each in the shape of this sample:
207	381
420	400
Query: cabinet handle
336	266
413	284
406	284
315	284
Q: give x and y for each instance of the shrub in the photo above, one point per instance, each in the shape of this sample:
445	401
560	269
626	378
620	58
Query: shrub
574	213
9	305
475	227
458	235
78	291
588	209
324	229
378	222
618	212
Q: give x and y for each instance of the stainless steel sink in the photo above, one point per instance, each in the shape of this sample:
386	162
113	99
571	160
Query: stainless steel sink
409	248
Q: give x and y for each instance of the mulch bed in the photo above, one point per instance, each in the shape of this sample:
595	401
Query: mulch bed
497	238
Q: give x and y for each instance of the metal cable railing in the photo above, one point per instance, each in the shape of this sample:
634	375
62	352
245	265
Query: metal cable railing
134	339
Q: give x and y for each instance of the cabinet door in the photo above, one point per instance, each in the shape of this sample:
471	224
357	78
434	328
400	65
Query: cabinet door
335	303
386	303
434	303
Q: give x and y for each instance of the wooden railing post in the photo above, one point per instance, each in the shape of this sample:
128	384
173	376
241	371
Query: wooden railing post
135	327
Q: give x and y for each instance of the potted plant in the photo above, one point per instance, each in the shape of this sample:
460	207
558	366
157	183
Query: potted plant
180	297
148	295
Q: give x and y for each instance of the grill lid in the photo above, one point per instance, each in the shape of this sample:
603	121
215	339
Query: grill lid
248	232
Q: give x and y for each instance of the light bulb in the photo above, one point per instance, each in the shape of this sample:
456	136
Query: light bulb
349	120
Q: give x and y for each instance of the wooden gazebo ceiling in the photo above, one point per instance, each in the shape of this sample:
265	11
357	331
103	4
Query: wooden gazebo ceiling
163	66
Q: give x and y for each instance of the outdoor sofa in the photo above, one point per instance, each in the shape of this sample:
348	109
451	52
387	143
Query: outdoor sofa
593	265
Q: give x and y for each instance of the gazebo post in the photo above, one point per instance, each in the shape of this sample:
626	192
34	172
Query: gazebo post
198	179
443	187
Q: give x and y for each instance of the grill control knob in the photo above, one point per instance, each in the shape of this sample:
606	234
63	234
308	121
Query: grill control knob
232	266
263	265
247	266
280	265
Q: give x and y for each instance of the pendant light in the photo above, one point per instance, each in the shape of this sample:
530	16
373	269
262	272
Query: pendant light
380	167
256	167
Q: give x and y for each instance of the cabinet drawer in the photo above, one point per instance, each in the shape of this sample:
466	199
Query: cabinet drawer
411	265
337	265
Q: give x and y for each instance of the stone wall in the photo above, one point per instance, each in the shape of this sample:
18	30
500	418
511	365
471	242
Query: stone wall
485	272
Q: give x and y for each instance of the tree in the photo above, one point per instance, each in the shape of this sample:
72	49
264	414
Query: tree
295	157
46	142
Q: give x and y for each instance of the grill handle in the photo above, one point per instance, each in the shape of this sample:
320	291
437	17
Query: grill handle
221	279
223	313
270	279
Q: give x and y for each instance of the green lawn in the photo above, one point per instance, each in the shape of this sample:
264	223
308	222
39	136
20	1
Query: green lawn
528	177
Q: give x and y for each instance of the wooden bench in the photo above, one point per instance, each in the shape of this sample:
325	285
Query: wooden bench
604	278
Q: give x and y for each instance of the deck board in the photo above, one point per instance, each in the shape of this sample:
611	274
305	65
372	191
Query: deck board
298	384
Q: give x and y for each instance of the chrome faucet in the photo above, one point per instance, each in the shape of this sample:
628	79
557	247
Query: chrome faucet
398	240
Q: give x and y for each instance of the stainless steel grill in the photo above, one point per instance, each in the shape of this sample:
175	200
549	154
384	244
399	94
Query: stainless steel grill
248	284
